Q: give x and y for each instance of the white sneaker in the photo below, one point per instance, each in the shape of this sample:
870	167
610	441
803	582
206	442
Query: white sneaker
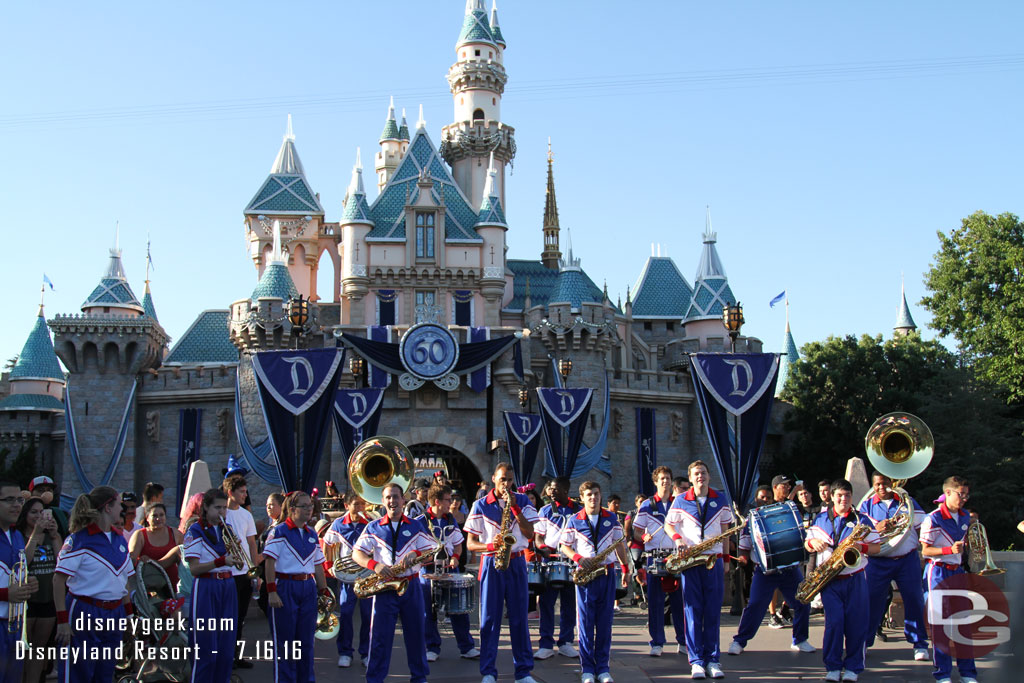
715	670
921	654
968	679
943	680
568	650
735	648
680	649
431	656
491	679
526	679
850	676
832	676
605	678
471	654
587	678
655	651
344	661
697	672
802	646
544	653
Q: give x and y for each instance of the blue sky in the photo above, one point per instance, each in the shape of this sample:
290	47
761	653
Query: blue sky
831	140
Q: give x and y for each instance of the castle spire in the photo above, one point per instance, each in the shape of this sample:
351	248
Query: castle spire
147	296
287	160
711	290
495	29
904	321
390	131
356	208
551	253
791	355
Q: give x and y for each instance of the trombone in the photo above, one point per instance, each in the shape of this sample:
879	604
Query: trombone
16	616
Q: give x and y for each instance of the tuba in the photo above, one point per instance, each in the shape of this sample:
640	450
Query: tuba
378	462
900	446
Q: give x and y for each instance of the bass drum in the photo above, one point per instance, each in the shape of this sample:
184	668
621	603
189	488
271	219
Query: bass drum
777	535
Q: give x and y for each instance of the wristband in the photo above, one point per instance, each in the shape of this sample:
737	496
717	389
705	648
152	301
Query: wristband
129	609
948	550
326	591
62	616
490	547
271	586
676	537
220	561
576	558
515	510
863	548
625	568
371	565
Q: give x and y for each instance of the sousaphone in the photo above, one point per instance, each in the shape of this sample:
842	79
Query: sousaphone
378	462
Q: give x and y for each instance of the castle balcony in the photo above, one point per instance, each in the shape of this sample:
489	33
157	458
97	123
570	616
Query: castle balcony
677	352
478	138
108	343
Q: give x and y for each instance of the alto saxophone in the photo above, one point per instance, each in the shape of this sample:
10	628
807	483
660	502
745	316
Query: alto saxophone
582	577
371	585
506	539
693	555
845	555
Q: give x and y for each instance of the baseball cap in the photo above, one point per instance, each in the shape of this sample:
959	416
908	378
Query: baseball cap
780	479
129	497
40	481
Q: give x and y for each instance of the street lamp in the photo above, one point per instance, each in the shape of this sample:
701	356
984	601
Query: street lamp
298	315
732	318
564	368
355	366
524	397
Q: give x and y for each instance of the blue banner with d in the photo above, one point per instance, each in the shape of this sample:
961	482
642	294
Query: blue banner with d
564	415
646	450
297	390
522	433
735	393
356	417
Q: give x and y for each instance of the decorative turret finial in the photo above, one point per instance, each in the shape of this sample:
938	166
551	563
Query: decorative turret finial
421	123
117	236
289	134
390	131
355	186
276	254
709	236
492	174
551	157
628	299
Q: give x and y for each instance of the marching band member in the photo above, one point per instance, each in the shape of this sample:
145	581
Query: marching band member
547	531
11	543
762	587
903	566
942	542
385	546
846	596
346	531
440	523
698	514
585	534
90	581
507	587
293	561
213	591
649	528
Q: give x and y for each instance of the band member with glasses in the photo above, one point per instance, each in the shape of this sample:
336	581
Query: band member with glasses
846	596
942	543
547	531
902	565
11	543
649	528
698	514
502	588
586	534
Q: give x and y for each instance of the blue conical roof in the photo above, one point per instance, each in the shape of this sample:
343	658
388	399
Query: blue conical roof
403	130
904	321
286	190
356	208
786	361
147	303
491	212
37	359
495	29
711	290
276	282
661	291
390	131
476	28
113	289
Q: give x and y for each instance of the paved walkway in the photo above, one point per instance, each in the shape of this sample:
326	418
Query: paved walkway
767	658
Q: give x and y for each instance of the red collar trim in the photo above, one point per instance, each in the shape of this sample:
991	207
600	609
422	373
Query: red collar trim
582	514
292	525
690	495
944	511
657	498
875	499
93	529
387	520
491	498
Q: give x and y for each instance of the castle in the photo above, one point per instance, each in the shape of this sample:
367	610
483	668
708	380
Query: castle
431	246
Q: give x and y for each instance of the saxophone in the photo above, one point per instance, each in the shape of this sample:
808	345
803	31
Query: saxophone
582	577
506	539
845	555
372	585
693	555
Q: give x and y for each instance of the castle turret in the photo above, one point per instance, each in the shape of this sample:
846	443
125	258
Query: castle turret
904	321
477	81
790	356
113	295
355	224
403	134
391	147
36	380
552	253
711	291
286	196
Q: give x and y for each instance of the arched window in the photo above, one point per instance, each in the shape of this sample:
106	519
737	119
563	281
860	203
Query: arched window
478	115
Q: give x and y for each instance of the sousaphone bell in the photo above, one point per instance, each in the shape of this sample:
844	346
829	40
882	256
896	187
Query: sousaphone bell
378	462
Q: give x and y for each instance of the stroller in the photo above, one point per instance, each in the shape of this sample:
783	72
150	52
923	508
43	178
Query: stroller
155	597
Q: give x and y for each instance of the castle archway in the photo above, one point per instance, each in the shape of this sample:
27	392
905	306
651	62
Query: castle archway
463	472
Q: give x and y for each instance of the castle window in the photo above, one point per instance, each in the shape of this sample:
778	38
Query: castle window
424	298
670	327
478	114
494	101
647	327
462	307
386	299
490	54
424	235
477	52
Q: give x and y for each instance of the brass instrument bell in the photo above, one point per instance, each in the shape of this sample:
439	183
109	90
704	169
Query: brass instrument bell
378	462
899	445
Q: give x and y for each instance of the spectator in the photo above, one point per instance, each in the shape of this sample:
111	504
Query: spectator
44	488
36	523
152	492
680	485
129	506
158	542
189	516
417	507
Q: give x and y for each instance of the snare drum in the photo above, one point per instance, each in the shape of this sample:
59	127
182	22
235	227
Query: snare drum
454	593
657	563
535	576
558	574
777	536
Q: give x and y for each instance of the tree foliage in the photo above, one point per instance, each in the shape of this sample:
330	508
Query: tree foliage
977	296
841	385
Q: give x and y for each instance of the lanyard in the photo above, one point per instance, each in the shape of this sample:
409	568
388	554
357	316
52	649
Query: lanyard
394	540
593	531
703	513
838	535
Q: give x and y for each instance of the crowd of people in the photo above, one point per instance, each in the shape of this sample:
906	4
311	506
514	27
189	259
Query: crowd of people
670	549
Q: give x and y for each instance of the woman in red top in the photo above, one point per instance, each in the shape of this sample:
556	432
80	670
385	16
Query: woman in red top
157	541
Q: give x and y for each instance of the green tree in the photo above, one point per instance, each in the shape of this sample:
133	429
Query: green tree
977	296
841	385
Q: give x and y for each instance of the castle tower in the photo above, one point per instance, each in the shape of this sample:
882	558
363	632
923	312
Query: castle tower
477	80
105	350
904	321
492	227
392	147
286	196
792	355
355	224
551	254
403	135
711	292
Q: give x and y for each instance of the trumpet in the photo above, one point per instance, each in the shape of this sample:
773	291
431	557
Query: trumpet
16	617
237	553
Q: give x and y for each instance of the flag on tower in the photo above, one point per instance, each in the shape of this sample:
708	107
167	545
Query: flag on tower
47	281
778	299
